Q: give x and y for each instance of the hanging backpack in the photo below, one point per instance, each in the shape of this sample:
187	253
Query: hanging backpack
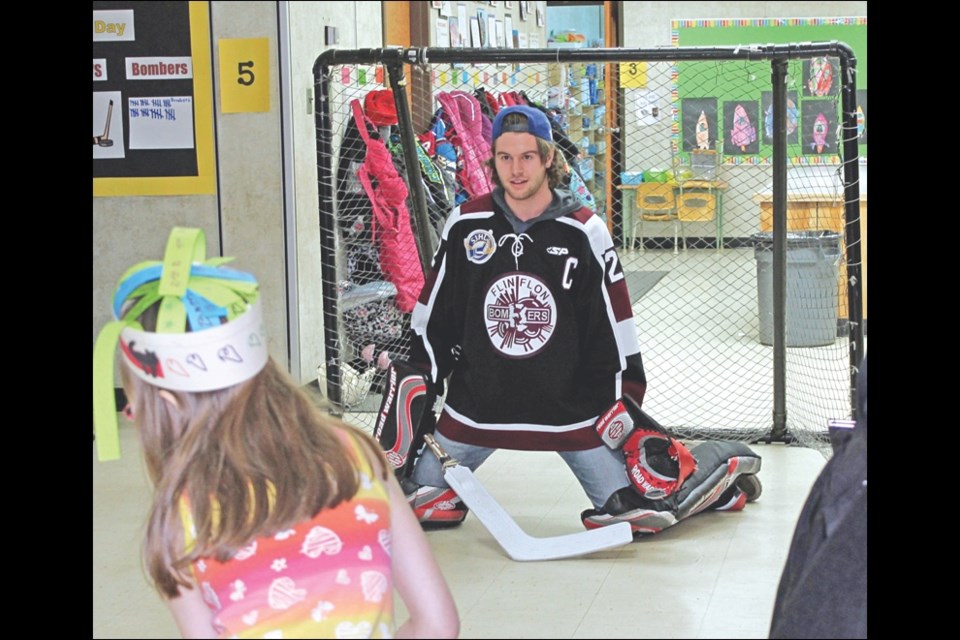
463	113
390	223
444	146
487	102
353	210
444	155
439	201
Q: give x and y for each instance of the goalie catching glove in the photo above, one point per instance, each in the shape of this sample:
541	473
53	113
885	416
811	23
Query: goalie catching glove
670	482
657	463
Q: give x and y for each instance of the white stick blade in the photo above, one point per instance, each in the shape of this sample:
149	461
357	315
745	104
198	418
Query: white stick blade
518	544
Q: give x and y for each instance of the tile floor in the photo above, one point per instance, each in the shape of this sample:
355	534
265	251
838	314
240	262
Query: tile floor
711	576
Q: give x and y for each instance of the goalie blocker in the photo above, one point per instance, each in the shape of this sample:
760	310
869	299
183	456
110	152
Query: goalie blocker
401	422
669	481
405	416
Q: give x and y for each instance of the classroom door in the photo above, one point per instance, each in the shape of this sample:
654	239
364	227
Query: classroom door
598	24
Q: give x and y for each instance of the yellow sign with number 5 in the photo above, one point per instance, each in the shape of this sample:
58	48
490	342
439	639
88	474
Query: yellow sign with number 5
633	75
244	75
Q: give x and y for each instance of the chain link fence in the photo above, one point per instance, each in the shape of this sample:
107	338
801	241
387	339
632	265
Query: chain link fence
736	209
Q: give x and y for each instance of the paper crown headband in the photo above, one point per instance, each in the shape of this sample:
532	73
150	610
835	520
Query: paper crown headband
209	331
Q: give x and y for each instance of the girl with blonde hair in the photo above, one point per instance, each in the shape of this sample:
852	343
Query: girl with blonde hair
270	518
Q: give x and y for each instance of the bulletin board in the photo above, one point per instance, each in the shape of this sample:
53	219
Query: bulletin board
152	99
728	106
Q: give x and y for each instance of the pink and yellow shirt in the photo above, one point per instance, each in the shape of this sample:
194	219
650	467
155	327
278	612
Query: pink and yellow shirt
329	577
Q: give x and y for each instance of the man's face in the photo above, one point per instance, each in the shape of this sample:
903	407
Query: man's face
522	173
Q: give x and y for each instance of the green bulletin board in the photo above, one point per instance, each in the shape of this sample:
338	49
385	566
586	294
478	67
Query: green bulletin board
728	103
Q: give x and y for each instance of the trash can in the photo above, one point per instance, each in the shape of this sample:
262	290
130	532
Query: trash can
811	287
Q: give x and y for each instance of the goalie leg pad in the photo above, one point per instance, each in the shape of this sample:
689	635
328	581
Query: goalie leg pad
733	499
645	516
437	506
750	485
725	480
747	488
407	397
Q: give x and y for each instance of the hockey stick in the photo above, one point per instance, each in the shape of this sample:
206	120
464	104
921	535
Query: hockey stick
104	140
518	544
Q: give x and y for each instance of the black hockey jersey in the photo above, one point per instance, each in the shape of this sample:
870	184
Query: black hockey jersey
532	323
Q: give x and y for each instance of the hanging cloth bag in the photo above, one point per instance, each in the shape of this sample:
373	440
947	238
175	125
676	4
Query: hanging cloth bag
463	112
390	224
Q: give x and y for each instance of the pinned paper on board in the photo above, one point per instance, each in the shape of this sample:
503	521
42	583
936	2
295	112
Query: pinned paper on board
699	123
443	32
164	122
703	131
647	107
819	126
107	125
820	75
740	127
793	117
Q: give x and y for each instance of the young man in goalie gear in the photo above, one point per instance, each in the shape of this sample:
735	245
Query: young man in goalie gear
526	316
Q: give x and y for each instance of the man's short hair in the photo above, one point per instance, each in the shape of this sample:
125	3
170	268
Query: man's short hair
522	119
556	173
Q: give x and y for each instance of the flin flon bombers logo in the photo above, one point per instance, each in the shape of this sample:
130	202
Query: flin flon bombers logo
521	314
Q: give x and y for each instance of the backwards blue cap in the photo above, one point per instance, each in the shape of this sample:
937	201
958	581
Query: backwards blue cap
536	123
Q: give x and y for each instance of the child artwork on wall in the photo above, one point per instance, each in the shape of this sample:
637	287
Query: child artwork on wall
699	122
455	35
862	115
703	131
740	127
819	126
793	117
646	106
821	77
475	40
484	36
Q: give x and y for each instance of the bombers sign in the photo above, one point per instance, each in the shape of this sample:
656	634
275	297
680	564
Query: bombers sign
171	68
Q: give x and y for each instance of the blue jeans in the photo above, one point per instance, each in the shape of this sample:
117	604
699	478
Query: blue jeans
601	471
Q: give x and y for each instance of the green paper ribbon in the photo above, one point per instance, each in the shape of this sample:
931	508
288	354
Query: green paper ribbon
185	248
106	429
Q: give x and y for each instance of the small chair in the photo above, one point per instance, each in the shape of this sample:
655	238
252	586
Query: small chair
656	202
697	188
699	205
